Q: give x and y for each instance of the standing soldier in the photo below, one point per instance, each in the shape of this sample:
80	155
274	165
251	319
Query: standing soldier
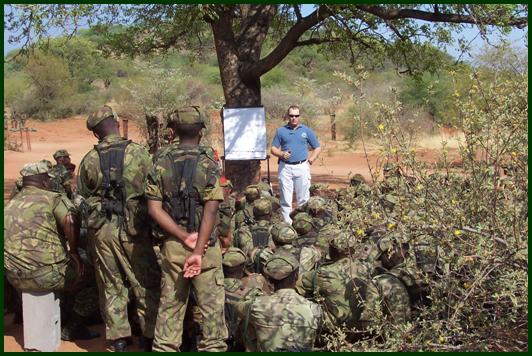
112	178
184	193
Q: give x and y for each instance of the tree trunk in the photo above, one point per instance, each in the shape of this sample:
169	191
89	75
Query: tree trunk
240	90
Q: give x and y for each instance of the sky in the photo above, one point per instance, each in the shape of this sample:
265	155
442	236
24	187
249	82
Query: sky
517	37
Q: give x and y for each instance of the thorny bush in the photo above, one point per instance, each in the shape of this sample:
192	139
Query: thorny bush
474	219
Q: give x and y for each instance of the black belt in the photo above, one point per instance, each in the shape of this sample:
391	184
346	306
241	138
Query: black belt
298	162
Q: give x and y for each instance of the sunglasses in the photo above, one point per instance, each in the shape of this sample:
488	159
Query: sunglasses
293	115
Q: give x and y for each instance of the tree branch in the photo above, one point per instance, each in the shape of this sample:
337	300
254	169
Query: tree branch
298	12
289	41
315	41
395	14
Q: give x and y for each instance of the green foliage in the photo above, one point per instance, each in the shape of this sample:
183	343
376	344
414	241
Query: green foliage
14	87
475	219
433	93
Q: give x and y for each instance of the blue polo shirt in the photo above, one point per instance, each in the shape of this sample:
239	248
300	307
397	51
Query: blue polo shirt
297	140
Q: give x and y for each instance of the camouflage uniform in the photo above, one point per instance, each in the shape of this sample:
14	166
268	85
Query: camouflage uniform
244	214
283	235
235	290
35	250
283	321
208	286
307	235
120	246
338	285
258	234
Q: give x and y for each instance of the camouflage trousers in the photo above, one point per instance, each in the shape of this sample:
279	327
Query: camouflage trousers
63	278
122	261
208	289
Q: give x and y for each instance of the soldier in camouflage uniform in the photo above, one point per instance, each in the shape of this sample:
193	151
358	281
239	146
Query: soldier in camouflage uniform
226	214
283	321
307	235
188	213
112	178
236	288
256	235
244	208
322	211
338	284
38	225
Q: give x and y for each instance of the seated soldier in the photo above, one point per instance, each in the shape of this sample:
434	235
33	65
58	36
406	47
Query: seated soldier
283	236
283	321
257	234
332	284
38	225
307	235
322	211
244	213
237	287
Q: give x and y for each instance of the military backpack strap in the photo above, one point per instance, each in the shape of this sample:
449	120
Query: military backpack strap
260	235
182	202
112	167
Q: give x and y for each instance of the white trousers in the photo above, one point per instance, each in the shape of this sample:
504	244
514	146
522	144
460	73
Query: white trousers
293	177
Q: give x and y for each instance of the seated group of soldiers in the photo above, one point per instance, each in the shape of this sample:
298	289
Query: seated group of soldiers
286	285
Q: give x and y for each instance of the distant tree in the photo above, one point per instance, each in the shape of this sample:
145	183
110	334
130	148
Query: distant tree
240	32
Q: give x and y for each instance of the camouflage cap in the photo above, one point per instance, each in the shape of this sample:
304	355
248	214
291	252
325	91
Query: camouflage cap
31	169
357	179
316	204
343	242
99	115
264	188
283	233
60	171
280	266
233	257
262	207
61	153
302	223
252	193
186	116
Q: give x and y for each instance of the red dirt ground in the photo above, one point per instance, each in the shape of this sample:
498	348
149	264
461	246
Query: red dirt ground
332	168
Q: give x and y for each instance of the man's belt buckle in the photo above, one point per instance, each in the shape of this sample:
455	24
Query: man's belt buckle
298	162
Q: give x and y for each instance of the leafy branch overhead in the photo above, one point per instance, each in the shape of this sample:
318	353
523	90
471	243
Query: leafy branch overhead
240	31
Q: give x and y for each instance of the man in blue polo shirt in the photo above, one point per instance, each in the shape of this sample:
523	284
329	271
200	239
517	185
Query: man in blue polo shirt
290	144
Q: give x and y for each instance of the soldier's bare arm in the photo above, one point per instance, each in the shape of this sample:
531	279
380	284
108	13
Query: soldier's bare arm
71	231
165	221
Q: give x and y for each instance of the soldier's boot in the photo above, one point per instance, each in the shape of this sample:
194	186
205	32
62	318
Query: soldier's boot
75	329
146	343
120	345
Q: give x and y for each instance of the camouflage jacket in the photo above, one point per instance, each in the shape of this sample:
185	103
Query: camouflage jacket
206	179
331	285
32	223
283	321
243	238
137	163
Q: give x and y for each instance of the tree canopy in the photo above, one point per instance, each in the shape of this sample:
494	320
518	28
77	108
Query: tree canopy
240	33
